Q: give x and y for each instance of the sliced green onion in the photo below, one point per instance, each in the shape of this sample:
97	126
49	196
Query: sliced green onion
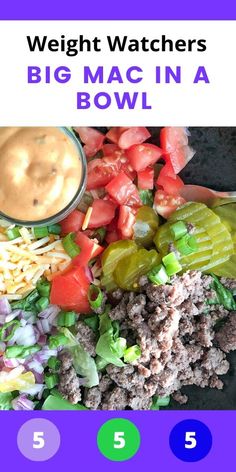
42	304
57	341
13	351
40	232
158	275
159	401
100	234
132	353
66	318
28	351
71	248
21	351
54	363
15	324
43	287
13	233
51	380
54	229
95	296
178	230
92	322
187	245
171	264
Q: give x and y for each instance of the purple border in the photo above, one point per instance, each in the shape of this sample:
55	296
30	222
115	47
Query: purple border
119	10
78	450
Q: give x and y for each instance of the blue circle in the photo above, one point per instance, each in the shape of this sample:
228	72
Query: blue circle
190	440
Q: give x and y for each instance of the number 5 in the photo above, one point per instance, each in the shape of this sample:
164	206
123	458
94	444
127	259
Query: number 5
119	441
190	438
38	441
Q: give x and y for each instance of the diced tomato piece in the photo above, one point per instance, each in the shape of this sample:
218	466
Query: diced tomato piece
174	142
126	222
89	249
172	138
131	136
102	214
113	225
112	236
102	171
73	222
114	133
143	155
146	179
109	149
92	139
123	191
69	290
165	204
180	157
168	180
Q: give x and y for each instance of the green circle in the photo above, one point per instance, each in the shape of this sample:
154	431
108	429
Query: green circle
118	439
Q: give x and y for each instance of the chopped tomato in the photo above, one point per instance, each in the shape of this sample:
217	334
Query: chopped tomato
73	222
143	155
168	180
69	290
102	171
92	139
114	133
146	179
112	236
174	142
123	191
89	249
126	222
165	204
131	136
172	138
109	149
102	214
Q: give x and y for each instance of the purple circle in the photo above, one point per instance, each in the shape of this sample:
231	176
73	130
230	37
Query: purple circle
38	439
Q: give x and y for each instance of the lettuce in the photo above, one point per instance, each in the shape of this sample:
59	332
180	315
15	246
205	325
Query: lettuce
83	363
5	401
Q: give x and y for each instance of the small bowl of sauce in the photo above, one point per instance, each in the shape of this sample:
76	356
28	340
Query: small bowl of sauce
42	174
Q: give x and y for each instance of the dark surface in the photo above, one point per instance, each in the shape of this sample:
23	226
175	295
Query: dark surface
214	166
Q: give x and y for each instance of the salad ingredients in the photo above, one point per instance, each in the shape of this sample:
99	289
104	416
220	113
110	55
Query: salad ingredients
145	227
113	254
103	212
92	139
214	241
174	142
69	290
73	222
165	204
177	341
45	163
129	269
123	191
25	259
89	249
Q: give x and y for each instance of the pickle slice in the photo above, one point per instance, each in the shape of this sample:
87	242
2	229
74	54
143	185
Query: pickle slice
215	245
110	258
228	269
129	270
227	214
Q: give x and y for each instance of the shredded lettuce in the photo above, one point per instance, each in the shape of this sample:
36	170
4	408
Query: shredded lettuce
224	296
111	347
5	401
56	402
83	363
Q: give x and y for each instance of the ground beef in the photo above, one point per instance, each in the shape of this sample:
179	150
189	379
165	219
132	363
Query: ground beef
180	338
69	384
226	336
86	337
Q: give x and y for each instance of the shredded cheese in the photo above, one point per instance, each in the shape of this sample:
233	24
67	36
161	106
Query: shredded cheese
25	259
87	218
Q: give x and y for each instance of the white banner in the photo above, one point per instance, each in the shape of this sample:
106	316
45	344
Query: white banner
78	80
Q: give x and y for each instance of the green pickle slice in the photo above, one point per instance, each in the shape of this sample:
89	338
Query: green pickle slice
215	245
129	270
145	226
114	253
